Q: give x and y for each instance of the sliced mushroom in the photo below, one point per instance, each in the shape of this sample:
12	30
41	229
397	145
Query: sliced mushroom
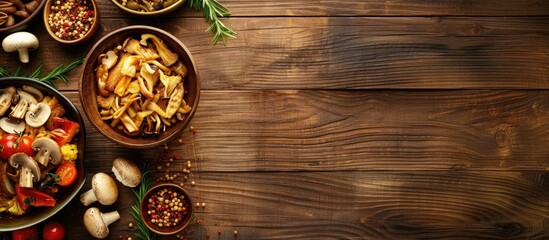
168	57
131	45
104	190
37	94
6	97
97	223
18	112
126	172
6	185
109	59
11	126
38	114
47	151
30	171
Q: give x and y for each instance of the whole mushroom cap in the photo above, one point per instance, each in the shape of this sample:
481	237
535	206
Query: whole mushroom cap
98	223
21	42
105	189
126	172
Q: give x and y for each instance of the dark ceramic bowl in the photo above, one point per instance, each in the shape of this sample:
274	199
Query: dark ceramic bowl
89	92
22	25
166	230
37	215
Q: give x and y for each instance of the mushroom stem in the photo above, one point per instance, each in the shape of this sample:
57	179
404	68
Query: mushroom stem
88	197
25	180
110	217
23	55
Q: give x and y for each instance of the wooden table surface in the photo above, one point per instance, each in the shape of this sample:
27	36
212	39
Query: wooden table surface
358	119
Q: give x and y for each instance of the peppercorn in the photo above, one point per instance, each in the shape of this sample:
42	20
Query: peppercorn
168	205
70	20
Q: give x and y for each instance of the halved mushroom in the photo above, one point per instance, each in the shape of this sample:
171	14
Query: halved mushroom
37	94
25	95
167	56
38	114
6	185
11	126
30	171
6	97
18	112
47	151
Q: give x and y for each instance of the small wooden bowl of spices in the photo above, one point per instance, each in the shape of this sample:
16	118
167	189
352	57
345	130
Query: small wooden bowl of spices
71	21
166	209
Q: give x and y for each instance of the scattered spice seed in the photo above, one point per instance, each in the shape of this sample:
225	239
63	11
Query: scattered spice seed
130	225
193	183
203	205
218	232
197	204
235	232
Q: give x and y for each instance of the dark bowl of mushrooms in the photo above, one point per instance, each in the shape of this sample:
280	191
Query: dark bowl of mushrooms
42	145
16	15
140	87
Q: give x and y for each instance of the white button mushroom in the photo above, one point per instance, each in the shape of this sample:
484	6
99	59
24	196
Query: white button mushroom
11	126
29	169
6	97
6	186
97	223
21	42
47	151
104	190
126	172
38	114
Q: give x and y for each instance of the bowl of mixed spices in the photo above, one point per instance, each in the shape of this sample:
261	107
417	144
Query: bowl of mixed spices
148	7
71	22
166	209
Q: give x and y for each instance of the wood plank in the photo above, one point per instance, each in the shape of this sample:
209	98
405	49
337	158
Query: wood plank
357	130
349	53
320	8
361	205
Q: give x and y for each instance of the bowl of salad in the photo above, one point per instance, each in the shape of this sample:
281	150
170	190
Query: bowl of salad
42	139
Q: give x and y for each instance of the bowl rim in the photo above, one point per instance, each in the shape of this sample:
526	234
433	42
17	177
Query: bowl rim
87	64
190	211
86	37
151	14
18	26
60	205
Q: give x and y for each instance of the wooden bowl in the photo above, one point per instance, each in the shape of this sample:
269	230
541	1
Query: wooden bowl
166	230
89	92
86	37
10	223
163	11
22	25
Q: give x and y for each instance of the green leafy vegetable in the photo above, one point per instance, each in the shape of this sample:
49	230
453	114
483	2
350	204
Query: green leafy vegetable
58	73
213	10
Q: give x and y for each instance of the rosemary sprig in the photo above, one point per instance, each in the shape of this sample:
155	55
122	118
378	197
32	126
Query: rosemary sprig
213	10
139	193
57	73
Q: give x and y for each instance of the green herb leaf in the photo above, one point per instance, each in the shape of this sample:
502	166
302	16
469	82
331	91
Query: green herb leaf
139	193
58	73
212	11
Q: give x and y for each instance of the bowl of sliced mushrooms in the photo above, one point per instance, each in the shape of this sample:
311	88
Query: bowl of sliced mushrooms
148	7
140	86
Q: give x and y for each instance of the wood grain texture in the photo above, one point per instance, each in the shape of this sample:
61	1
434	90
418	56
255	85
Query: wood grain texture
358	130
349	53
363	205
322	8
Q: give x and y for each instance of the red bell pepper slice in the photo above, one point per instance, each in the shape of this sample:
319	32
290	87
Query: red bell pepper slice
31	197
63	130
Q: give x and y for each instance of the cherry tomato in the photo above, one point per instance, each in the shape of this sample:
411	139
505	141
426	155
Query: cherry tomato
67	174
13	143
30	233
53	231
